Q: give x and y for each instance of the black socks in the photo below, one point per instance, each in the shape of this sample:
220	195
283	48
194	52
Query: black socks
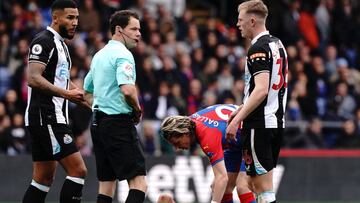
71	191
103	199
135	196
33	194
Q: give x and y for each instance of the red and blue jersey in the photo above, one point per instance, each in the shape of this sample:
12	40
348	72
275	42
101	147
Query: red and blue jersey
210	130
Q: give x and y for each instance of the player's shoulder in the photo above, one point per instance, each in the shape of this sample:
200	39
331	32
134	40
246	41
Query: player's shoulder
43	38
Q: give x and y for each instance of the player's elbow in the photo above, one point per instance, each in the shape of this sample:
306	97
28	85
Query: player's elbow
127	90
32	81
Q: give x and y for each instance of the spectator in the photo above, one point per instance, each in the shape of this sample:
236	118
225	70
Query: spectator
349	138
19	141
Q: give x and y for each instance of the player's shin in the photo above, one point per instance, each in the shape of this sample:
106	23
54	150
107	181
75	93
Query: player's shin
35	193
71	192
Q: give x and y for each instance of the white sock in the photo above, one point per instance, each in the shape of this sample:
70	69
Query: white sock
266	197
43	188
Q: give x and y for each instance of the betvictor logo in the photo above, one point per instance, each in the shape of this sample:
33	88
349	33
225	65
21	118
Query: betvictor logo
187	181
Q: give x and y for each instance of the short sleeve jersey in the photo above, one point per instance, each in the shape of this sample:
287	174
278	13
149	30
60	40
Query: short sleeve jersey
48	48
267	55
211	129
111	67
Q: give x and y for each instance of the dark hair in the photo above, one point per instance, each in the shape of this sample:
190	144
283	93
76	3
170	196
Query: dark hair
62	4
121	18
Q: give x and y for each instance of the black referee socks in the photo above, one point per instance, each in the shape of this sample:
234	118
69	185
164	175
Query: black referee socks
103	199
135	196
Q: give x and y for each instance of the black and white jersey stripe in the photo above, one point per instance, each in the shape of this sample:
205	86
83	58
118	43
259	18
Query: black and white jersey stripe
48	48
267	54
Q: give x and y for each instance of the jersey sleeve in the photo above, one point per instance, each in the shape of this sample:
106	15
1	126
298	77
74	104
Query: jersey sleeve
41	49
125	72
88	82
259	59
210	144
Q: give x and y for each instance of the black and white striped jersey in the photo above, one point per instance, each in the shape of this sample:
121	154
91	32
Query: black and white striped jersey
267	54
48	48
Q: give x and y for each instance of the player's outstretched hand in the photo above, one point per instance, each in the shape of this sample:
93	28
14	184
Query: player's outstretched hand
231	130
165	198
75	95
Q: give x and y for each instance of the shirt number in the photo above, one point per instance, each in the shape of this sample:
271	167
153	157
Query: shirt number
282	80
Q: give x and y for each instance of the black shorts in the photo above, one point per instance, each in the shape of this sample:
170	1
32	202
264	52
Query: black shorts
51	142
117	149
261	147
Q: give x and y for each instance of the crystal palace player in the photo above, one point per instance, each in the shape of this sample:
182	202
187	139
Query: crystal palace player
208	127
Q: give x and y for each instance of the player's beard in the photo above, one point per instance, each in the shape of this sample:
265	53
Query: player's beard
64	33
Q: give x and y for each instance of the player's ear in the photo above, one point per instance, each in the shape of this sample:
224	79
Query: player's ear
252	20
119	28
54	17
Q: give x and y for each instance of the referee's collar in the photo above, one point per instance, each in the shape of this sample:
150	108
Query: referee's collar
57	36
258	36
112	41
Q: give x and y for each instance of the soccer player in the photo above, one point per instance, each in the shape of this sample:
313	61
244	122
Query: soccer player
46	116
262	115
207	127
110	88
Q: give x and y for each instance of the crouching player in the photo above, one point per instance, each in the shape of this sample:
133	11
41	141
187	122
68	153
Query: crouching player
208	128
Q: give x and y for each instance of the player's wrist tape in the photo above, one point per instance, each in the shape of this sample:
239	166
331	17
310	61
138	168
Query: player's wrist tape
212	201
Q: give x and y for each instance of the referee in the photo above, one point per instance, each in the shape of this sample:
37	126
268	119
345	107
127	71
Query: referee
110	88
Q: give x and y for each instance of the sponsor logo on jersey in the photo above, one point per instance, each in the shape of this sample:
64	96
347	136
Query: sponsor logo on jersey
36	49
67	139
62	72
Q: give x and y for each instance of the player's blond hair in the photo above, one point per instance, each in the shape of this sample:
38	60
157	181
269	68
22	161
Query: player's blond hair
256	7
176	126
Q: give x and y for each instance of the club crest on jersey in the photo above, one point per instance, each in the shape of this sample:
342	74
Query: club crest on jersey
67	139
36	49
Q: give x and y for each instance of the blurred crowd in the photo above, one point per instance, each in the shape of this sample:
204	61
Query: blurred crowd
185	64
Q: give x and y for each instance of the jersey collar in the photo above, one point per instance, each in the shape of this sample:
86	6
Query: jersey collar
57	36
258	36
112	41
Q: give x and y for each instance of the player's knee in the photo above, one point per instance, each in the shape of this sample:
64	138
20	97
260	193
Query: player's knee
138	183
44	180
80	172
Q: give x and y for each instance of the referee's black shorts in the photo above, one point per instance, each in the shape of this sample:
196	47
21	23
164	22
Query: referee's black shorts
117	148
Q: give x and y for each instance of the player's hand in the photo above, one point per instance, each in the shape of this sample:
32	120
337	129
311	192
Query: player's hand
233	114
165	198
137	114
231	131
75	95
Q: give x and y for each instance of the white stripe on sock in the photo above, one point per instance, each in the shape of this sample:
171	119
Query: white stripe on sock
40	187
80	181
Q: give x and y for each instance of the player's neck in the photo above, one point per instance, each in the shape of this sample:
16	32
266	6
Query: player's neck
257	31
55	27
118	38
